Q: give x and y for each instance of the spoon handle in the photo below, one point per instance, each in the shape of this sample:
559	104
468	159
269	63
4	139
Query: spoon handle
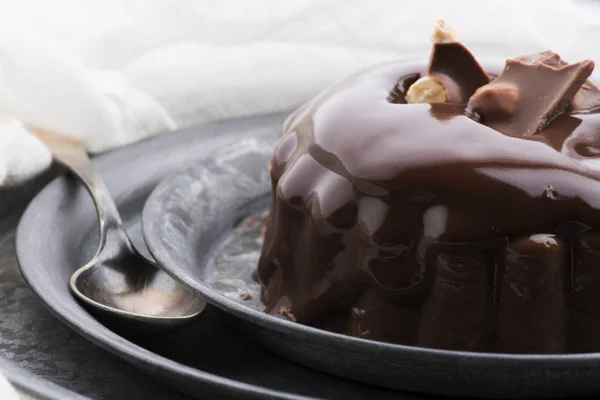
71	153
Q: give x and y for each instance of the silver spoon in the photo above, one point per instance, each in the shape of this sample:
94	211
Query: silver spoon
119	282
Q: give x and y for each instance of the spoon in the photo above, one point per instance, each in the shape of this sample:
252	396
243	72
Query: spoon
119	282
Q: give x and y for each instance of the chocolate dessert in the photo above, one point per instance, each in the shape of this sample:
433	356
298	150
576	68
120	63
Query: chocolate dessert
443	206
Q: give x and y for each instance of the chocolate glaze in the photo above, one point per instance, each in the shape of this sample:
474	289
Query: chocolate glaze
414	224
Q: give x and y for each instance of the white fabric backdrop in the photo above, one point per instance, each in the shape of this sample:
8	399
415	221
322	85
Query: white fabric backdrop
6	390
111	72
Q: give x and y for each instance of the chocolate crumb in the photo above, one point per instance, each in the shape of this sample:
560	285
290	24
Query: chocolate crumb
252	222
256	223
363	333
550	193
358	312
262	230
287	313
245	297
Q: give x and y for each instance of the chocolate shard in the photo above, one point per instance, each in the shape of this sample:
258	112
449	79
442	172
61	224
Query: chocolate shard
547	57
457	70
544	92
586	99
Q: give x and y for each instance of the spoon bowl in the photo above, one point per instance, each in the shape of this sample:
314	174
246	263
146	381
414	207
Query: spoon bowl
119	283
140	293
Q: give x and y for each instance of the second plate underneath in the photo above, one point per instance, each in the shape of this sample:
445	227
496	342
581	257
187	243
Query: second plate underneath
191	214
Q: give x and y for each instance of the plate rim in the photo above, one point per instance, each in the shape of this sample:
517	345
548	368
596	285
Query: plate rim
499	361
29	383
150	363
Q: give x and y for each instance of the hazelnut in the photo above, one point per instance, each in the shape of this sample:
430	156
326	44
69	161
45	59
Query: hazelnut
426	89
444	33
494	101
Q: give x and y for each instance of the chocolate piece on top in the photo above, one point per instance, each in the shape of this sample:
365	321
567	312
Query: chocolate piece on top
453	74
457	70
586	99
541	93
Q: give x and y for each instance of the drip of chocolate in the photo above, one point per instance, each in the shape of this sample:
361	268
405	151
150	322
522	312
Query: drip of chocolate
529	94
453	65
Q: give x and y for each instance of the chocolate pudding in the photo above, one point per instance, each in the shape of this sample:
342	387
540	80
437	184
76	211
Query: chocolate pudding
442	206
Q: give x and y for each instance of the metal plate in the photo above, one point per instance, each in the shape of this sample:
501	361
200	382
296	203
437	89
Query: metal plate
208	359
191	214
33	387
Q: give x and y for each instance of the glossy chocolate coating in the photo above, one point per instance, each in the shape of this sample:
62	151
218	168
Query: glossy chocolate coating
414	224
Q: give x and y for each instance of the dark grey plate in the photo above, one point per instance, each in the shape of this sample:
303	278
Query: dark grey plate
207	360
191	226
30	385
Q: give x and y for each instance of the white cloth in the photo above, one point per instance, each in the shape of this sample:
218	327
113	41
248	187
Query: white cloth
111	72
7	392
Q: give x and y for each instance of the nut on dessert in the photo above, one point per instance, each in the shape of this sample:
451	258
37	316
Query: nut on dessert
426	90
